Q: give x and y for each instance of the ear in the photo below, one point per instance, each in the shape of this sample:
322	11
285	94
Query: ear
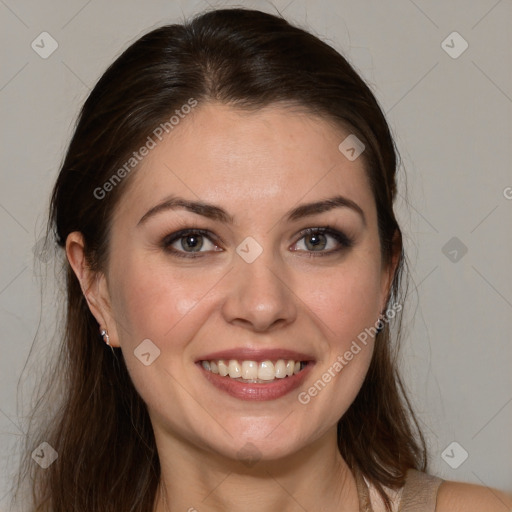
93	284
388	272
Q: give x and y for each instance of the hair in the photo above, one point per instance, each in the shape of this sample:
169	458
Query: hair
246	59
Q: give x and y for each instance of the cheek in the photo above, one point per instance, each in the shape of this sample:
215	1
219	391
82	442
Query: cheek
152	303
346	300
154	300
149	300
347	312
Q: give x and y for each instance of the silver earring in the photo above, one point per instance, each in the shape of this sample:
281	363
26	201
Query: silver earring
106	339
105	336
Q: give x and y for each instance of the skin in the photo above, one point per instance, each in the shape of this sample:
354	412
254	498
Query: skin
290	297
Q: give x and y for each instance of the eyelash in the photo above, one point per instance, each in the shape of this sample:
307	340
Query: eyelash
343	240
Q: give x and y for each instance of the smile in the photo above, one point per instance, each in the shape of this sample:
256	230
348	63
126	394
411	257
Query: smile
252	371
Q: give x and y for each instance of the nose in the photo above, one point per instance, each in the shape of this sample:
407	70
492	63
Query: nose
258	296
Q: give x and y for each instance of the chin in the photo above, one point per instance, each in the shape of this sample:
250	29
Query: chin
263	442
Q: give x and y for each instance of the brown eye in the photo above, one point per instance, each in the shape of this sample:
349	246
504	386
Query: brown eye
316	241
323	240
192	242
189	243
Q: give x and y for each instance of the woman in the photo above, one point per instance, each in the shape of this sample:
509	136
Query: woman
226	211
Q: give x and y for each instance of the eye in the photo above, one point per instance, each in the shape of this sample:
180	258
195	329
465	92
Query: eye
188	243
323	240
193	243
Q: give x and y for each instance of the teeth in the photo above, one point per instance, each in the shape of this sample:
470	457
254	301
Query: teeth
223	368
252	371
234	369
266	371
280	368
249	370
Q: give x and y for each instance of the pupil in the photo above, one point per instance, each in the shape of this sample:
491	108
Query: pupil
192	242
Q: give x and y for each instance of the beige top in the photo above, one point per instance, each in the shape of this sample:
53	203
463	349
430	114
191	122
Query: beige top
419	494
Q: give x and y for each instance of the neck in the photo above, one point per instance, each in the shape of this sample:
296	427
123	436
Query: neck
194	480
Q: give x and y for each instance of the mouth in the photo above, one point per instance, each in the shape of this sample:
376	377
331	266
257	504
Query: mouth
255	375
254	372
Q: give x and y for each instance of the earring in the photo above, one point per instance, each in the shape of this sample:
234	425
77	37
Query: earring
379	326
106	338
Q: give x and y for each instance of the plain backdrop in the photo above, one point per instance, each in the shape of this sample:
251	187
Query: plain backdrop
450	109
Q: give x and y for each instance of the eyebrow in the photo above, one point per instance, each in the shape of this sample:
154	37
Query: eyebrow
213	212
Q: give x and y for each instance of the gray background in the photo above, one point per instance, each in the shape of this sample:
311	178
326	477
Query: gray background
452	121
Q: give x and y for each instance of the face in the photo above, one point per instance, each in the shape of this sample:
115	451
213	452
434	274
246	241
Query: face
218	253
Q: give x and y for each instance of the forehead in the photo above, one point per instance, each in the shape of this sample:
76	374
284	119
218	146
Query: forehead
247	161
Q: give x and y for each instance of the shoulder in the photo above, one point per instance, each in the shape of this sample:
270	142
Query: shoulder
462	497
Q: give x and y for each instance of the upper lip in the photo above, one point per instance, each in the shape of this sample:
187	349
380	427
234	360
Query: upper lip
258	355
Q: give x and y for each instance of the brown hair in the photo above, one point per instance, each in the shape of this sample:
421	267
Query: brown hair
247	59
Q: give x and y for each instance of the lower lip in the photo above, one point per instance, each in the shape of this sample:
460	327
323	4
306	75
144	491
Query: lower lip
256	391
